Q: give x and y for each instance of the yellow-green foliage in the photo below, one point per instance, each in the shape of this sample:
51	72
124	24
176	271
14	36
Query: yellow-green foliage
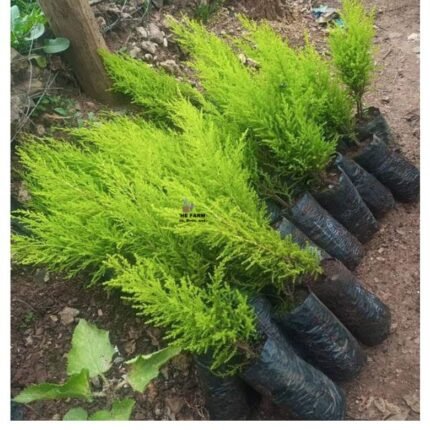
302	74
286	114
122	192
110	204
216	318
147	87
352	48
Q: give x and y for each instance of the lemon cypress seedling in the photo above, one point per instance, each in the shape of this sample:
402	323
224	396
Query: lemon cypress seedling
299	72
115	195
352	49
291	124
146	86
215	318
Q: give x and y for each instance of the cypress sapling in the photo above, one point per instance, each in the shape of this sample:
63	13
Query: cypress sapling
213	318
352	49
148	87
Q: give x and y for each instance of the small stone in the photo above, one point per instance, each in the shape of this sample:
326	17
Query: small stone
23	194
414	36
99	312
40	130
53	318
149	47
134	52
380	250
380	258
242	58
147	57
142	32
170	66
385	99
413	402
46	277
29	340
118	360
68	315
101	22
155	34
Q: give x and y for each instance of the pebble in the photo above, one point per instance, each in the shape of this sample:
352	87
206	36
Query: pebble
134	52
414	36
155	34
142	31
149	47
170	66
68	315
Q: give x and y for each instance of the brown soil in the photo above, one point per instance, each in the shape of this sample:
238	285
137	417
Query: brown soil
387	388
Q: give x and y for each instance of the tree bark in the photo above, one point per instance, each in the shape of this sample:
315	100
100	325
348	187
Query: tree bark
75	20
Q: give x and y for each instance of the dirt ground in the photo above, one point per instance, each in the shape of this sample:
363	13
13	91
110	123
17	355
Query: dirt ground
387	388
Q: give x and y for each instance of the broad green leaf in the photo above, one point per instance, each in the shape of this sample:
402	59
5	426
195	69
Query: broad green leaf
77	386
36	31
14	15
76	414
121	411
54	46
91	349
144	368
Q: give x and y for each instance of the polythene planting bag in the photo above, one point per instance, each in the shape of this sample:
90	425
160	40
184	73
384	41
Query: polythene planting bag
287	228
344	203
274	211
291	382
227	398
390	168
362	312
376	124
325	231
321	339
377	197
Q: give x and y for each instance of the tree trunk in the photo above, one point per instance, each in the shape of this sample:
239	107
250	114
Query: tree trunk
75	20
268	9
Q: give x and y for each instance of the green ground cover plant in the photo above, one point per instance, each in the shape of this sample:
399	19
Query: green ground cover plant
91	356
352	49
